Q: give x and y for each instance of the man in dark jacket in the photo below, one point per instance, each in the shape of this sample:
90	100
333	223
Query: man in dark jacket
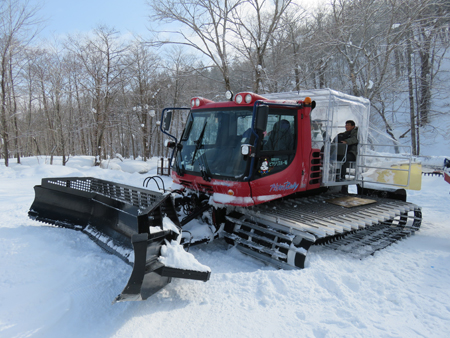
350	138
280	137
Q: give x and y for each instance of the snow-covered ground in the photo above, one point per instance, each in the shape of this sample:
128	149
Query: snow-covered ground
55	282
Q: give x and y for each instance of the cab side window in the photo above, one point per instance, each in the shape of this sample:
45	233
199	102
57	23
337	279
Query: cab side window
280	137
279	144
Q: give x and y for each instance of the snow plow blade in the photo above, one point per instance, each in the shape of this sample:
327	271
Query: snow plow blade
118	218
149	275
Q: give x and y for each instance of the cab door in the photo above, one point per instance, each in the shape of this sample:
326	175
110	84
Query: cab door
279	170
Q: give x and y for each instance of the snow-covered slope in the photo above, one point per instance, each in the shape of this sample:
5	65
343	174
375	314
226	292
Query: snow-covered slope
56	283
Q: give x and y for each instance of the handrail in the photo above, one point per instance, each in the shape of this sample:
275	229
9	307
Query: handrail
407	161
389	161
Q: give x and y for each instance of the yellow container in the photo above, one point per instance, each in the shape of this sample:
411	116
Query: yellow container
400	177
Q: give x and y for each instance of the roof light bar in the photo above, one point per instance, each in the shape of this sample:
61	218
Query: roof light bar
199	101
247	98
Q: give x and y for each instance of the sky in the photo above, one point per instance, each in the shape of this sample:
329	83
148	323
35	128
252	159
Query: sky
69	16
127	16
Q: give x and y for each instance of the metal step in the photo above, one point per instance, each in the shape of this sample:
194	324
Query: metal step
260	228
256	247
265	259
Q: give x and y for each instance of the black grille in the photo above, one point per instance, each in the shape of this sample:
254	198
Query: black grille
131	195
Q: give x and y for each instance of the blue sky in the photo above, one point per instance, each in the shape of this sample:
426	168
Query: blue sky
70	16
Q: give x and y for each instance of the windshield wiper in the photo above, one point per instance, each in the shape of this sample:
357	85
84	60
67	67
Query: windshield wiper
204	171
199	142
179	165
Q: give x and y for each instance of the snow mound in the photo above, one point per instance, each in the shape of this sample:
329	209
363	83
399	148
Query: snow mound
173	255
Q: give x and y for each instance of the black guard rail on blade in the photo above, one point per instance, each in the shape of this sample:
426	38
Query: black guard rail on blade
118	218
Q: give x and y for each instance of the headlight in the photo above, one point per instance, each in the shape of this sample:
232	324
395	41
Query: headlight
239	99
246	149
248	98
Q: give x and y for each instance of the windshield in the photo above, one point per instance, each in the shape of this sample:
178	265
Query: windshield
212	143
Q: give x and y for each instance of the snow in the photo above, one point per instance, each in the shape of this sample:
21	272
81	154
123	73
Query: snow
169	225
173	255
56	282
218	198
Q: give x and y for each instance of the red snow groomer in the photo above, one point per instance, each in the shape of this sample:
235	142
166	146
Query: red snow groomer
263	172
447	170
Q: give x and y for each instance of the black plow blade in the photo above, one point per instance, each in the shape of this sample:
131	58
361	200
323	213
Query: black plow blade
119	218
149	273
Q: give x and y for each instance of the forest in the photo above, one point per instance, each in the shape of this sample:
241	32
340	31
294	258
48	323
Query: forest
102	93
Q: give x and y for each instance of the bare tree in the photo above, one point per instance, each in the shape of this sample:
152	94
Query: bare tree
366	35
59	92
79	98
424	47
432	20
18	26
254	25
180	67
202	25
102	59
143	69
305	41
41	71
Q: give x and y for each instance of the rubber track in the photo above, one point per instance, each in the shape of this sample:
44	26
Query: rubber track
368	229
365	242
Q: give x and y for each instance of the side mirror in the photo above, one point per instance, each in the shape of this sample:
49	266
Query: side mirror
166	120
262	115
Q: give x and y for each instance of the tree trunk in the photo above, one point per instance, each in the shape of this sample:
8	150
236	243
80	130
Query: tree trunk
411	98
425	76
51	128
13	105
4	119
353	79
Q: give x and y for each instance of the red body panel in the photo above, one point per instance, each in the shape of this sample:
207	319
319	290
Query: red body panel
447	177
297	177
222	192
